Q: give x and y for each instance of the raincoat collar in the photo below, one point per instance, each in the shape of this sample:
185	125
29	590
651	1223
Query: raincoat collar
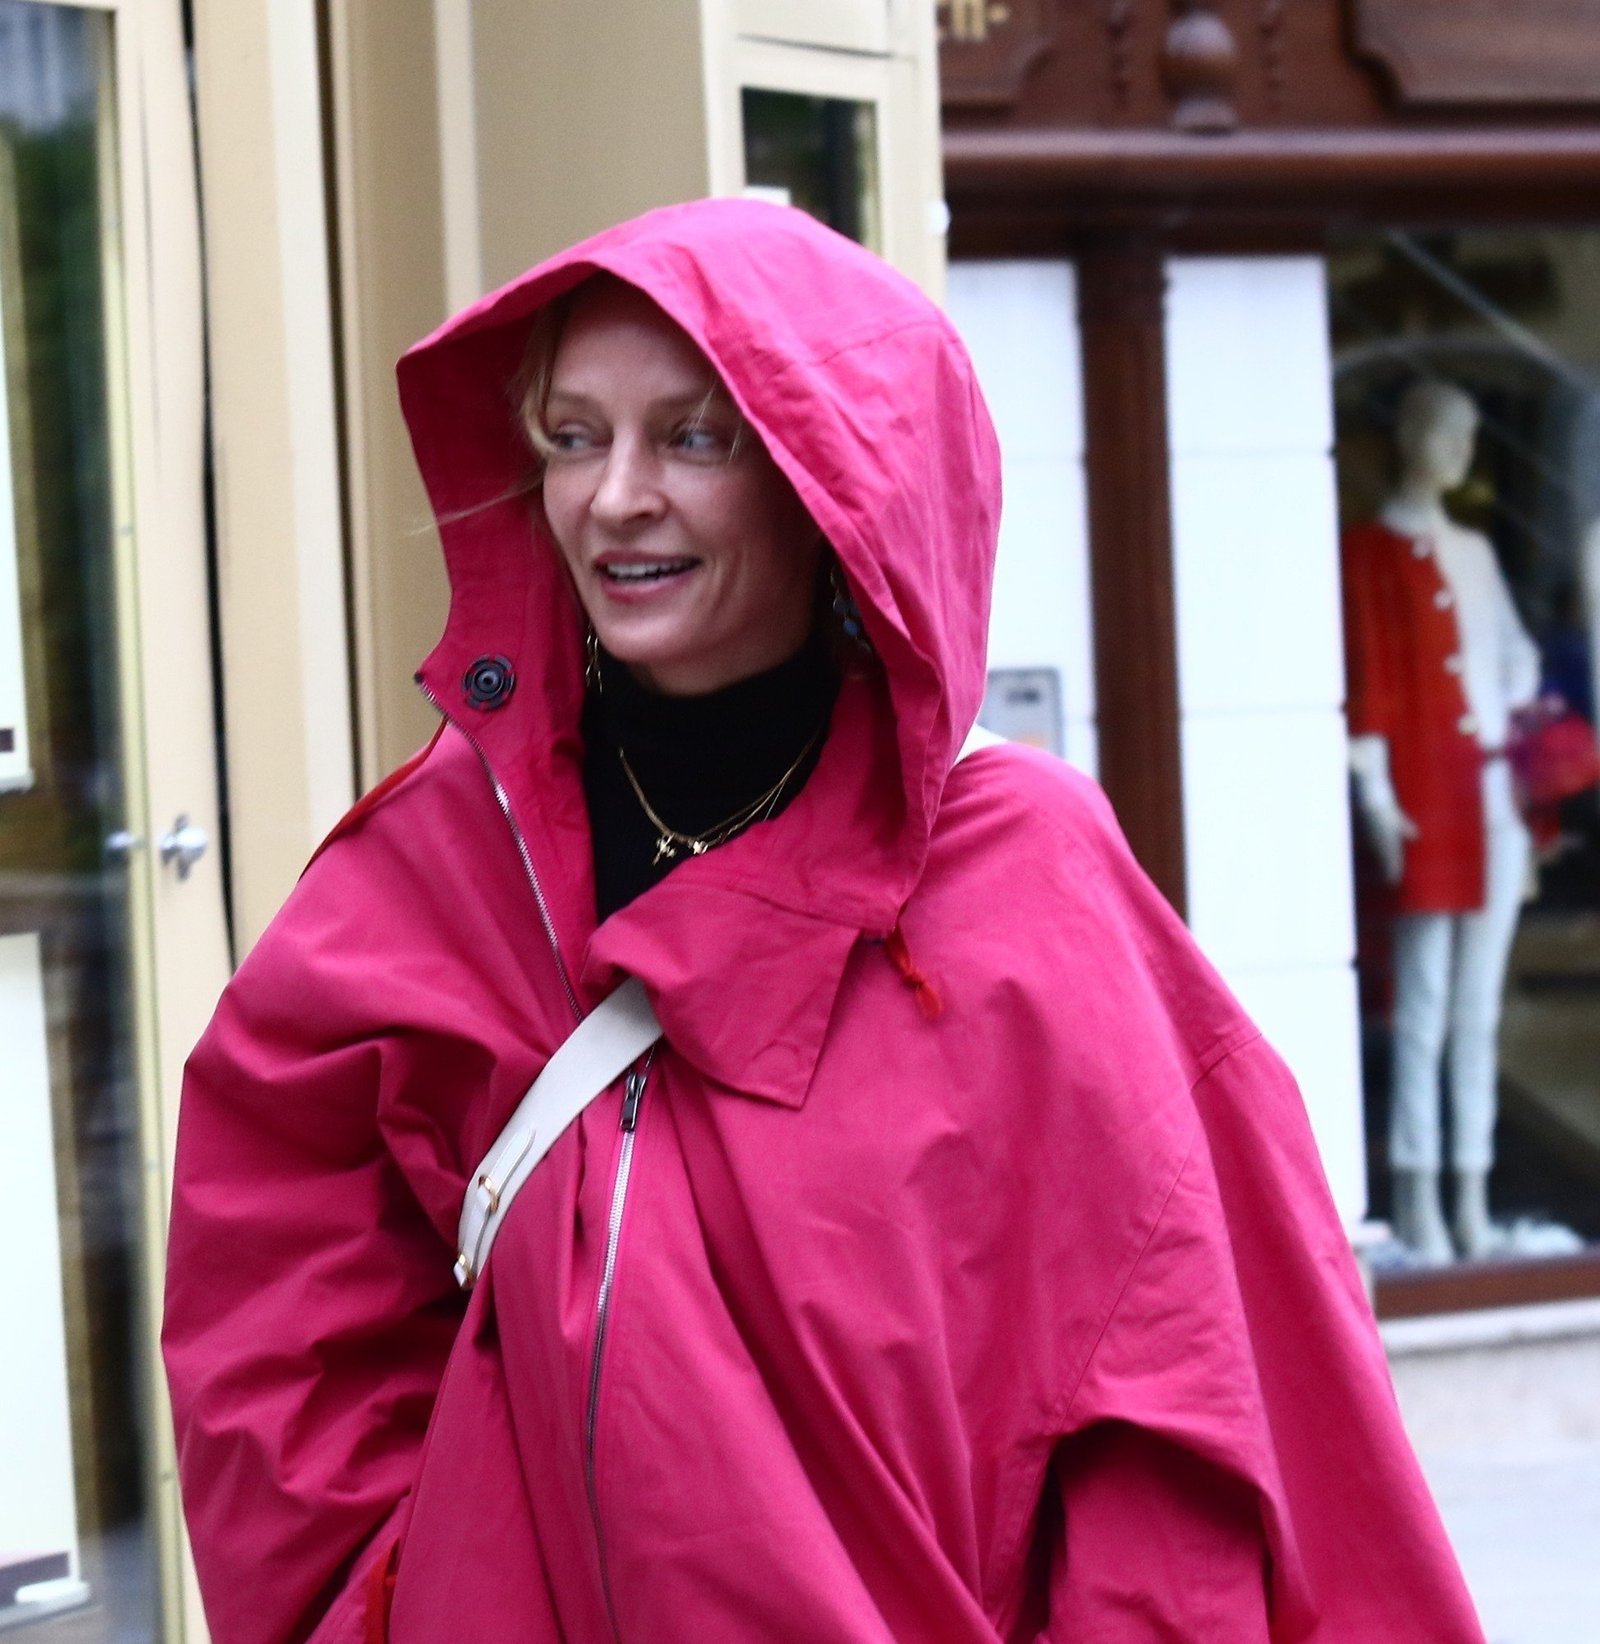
864	397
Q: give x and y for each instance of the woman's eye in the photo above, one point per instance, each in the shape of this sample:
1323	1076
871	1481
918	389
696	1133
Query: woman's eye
700	439
568	439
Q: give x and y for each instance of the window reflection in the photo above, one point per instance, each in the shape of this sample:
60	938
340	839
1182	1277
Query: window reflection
819	153
1468	410
76	1552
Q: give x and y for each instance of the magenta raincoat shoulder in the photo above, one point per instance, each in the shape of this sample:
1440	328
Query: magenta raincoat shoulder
966	1274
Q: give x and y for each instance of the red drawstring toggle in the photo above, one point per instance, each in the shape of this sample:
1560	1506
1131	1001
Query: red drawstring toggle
927	995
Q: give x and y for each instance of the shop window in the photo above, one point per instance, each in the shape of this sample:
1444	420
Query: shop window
78	1559
1467	396
818	153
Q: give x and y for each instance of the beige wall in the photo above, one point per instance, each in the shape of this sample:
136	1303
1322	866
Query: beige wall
473	139
467	146
586	114
392	286
280	551
451	144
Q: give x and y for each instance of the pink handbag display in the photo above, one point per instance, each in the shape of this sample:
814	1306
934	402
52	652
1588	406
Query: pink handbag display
1554	756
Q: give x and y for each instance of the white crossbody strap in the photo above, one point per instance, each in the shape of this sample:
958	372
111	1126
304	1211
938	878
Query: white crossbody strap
619	1030
616	1033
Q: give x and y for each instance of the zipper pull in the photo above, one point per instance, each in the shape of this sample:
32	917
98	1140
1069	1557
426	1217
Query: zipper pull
633	1094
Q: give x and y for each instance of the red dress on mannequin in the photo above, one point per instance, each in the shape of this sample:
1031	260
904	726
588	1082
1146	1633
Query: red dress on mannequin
1406	684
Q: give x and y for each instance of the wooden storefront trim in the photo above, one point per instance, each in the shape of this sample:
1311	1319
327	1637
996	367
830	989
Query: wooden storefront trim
1470	1286
1121	312
1070	176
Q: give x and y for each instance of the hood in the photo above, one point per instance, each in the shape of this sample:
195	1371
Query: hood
858	386
864	396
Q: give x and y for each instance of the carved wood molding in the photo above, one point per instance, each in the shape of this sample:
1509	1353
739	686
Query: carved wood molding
1485	51
1116	17
1269	24
988	47
1199	65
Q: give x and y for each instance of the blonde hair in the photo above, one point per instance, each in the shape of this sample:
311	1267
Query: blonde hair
530	388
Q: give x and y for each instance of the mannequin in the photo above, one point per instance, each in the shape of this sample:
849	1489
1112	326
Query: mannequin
1438	661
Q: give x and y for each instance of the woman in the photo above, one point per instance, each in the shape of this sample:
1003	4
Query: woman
962	1271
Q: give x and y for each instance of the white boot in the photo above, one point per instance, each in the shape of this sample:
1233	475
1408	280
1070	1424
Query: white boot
1419	1219
1473	1229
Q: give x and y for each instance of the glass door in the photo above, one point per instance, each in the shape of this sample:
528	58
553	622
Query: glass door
98	884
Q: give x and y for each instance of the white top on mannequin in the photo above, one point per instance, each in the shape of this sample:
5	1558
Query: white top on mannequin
1498	663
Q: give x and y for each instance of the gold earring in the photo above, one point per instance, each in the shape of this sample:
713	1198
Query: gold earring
591	661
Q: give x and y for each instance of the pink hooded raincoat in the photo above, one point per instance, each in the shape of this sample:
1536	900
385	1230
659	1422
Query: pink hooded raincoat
966	1272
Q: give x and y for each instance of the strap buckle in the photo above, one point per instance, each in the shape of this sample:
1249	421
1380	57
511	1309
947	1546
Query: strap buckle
490	1189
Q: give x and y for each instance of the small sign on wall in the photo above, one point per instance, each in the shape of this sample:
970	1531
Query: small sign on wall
1024	705
15	769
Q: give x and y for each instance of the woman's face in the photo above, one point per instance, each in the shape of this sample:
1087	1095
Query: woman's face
693	557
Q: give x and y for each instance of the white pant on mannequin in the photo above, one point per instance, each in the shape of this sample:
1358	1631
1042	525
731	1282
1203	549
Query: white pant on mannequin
1449	974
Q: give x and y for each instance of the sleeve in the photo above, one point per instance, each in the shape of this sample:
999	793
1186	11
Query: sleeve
309	1311
1519	656
1154	1545
1369	688
1242	1337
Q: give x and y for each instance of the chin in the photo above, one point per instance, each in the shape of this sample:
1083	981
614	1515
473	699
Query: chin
641	651
658	666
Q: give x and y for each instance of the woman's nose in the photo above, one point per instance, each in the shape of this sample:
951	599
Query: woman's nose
627	487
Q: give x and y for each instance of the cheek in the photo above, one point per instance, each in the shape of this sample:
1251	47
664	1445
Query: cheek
777	538
561	512
784	587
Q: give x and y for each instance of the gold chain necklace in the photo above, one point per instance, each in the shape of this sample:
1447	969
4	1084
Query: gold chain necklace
670	842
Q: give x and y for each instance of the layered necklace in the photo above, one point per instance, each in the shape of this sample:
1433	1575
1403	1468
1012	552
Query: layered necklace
671	842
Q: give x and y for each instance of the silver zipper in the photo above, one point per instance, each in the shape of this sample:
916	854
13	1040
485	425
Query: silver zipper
633	1095
502	799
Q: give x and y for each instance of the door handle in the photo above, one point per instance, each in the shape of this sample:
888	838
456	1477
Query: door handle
119	846
184	845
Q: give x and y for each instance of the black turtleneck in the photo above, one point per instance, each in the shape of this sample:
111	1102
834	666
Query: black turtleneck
699	759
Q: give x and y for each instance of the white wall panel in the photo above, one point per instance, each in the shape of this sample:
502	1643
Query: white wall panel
1019	320
1267	838
1308	1015
1256	579
1260	668
1020	323
1247	354
1083	744
1040	615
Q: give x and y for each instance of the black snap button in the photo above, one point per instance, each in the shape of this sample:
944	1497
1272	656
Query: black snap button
489	682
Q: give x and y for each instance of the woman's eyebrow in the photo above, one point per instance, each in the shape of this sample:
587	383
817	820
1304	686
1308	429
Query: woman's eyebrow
696	399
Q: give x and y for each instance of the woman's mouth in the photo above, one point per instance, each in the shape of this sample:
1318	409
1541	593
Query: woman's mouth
641	572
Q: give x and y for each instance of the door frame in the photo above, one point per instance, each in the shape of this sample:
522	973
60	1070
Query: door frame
155	393
169	682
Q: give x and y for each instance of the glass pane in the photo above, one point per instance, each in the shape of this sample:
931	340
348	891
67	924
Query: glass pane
76	1553
819	153
1468	409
